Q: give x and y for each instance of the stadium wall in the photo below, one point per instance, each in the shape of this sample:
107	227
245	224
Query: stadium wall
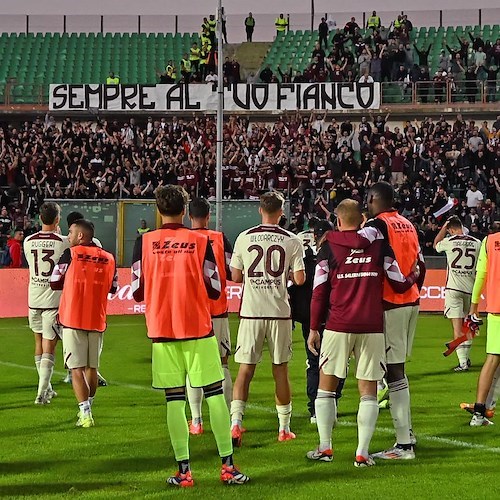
14	285
151	16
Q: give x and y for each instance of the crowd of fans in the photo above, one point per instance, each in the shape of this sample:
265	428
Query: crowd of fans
387	55
314	160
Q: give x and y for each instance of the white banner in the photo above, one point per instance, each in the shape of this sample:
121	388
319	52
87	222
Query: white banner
203	97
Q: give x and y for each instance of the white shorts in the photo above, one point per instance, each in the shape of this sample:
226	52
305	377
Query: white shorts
368	348
44	321
400	325
456	304
251	336
223	335
81	348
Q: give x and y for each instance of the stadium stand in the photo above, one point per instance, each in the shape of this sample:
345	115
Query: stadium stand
292	57
86	58
314	162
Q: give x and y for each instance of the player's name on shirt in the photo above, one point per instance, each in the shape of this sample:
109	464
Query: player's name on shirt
43	251
267	238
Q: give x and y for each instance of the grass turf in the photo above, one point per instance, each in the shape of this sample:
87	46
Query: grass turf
128	454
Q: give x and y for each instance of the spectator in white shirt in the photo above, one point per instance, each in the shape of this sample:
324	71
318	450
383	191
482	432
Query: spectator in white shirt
474	196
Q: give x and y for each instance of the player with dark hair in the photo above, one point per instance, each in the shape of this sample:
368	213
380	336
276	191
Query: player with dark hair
42	251
401	313
266	255
199	213
175	272
71	218
348	287
86	274
462	252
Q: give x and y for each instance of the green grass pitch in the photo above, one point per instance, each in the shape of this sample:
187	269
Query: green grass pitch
128	454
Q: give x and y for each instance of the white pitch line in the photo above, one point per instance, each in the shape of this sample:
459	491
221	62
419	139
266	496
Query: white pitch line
266	409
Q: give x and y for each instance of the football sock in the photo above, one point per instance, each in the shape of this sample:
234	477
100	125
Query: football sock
494	392
184	466
326	415
38	359
284	416
195	398
463	351
91	400
228	460
399	394
227	385
367	420
237	412
480	408
178	426
84	407
45	372
219	421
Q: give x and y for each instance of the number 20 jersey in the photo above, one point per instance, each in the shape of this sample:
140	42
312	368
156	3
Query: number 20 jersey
462	252
266	254
43	251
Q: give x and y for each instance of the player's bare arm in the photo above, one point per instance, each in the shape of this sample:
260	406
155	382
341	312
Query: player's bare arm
440	236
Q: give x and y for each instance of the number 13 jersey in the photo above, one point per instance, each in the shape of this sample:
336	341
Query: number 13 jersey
462	252
266	254
43	251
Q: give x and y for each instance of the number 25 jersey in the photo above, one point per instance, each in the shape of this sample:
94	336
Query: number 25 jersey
462	252
43	251
266	254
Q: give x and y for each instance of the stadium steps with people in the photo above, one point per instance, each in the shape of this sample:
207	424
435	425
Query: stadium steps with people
295	47
250	56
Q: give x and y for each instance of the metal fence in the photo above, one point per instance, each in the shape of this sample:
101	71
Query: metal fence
441	92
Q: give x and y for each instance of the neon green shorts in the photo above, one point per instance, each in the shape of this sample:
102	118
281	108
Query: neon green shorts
493	334
199	359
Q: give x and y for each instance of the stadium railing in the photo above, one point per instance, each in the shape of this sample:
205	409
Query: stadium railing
448	92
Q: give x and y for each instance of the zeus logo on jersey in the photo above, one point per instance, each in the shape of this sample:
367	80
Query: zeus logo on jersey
91	258
168	244
358	260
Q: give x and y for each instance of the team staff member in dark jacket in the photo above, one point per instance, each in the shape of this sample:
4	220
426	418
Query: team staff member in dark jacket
300	301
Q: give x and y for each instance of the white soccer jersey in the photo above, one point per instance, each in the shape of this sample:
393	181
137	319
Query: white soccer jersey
266	254
462	252
308	241
43	251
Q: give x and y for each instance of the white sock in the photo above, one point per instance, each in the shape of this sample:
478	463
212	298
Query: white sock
84	408
38	359
399	395
463	351
284	416
227	385
195	398
367	420
494	392
326	415
237	412
45	372
91	400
